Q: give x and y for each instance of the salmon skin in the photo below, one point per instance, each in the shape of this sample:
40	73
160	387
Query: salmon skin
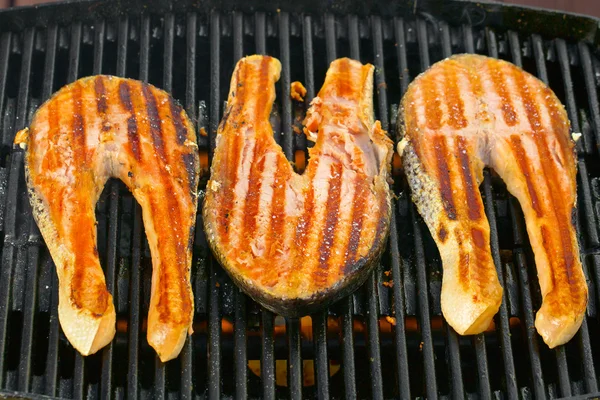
93	129
469	111
294	242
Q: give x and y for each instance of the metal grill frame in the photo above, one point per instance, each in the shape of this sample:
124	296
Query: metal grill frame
551	45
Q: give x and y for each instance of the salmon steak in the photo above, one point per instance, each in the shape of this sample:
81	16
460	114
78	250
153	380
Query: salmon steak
471	111
295	242
89	131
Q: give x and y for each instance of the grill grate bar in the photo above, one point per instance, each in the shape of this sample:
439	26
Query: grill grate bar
453	350
563	59
294	358
537	376
321	361
259	33
4	56
400	333
32	252
240	346
348	349
421	263
424	318
268	358
100	29
588	369
190	77
401	54
374	352
284	57
307	46
585	202
134	306
502	316
588	74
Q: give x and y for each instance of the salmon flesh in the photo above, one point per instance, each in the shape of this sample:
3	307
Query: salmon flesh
298	242
470	111
89	131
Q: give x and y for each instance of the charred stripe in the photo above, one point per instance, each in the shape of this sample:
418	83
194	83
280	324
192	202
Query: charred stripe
331	221
180	129
358	211
497	75
519	153
456	107
474	204
441	152
79	148
132	129
155	123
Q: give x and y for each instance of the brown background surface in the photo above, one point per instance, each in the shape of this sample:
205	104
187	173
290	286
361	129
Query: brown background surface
590	7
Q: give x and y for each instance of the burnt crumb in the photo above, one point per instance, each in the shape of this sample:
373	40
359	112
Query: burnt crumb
130	174
442	234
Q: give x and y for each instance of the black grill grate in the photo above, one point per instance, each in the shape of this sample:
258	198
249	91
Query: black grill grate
239	350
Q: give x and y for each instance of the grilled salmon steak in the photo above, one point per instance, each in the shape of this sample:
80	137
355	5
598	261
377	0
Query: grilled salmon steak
469	111
297	242
93	129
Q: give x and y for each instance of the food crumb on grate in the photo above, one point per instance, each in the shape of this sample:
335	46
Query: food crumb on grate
391	320
297	91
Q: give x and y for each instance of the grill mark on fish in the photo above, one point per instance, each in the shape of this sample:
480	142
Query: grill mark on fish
253	197
358	206
464	275
442	233
132	129
80	240
262	100
432	103
190	164
343	83
523	163
178	124
100	90
79	148
478	237
473	204
101	105
550	175
456	107
478	92
548	247
331	222
441	152
498	79
155	123
277	220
